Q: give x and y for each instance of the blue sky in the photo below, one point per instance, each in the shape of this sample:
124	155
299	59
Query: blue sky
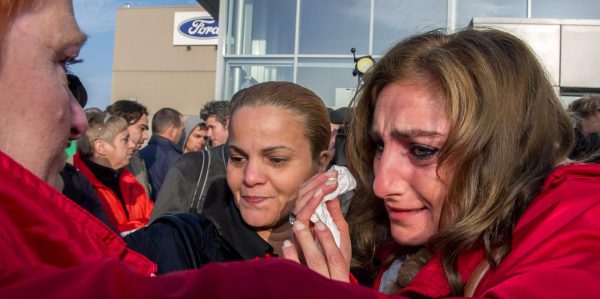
97	19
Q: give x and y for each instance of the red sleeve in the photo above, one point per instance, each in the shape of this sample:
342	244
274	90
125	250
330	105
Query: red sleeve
560	263
271	278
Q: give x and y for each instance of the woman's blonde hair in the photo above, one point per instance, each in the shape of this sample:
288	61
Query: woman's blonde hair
507	132
101	126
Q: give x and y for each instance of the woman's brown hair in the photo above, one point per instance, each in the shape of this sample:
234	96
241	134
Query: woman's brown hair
507	132
300	100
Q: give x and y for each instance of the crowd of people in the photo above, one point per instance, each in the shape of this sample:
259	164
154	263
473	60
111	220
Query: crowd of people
472	180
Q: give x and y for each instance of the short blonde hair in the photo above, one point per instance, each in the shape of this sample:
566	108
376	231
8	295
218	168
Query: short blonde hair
101	126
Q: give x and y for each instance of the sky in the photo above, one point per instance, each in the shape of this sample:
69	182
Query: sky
97	19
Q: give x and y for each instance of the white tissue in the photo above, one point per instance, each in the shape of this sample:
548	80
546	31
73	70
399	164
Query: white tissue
346	182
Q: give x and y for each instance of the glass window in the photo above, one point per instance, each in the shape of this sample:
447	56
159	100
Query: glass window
242	73
330	79
397	19
258	27
465	10
334	26
566	9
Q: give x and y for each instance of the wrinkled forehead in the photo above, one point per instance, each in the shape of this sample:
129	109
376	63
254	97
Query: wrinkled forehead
409	106
58	20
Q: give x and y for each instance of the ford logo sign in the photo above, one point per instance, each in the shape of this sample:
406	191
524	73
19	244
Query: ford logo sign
200	28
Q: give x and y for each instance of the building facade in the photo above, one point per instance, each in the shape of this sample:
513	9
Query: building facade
150	68
309	42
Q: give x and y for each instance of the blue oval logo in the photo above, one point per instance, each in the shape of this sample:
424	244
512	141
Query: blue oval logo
200	28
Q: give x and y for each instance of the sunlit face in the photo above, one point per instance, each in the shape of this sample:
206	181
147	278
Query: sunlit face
269	158
119	151
39	114
138	132
217	132
410	126
195	141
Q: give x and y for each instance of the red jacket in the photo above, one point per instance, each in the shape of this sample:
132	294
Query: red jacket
51	248
33	230
555	247
136	199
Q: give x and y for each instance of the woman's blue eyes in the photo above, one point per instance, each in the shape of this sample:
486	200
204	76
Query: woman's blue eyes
416	151
422	152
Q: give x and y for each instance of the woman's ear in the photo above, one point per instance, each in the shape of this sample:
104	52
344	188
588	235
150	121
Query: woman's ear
324	159
100	148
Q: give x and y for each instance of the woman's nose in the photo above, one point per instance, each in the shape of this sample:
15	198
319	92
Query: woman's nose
392	172
253	173
78	120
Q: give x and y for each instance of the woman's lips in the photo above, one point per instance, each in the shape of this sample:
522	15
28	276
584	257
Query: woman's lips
254	199
397	214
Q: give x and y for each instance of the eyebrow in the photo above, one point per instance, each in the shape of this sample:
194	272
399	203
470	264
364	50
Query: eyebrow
406	134
265	151
270	150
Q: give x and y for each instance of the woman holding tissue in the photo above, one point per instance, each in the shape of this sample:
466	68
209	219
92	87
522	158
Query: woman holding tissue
460	149
279	133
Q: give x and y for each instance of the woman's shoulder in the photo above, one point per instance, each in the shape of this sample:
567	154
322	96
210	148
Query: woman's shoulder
569	192
574	180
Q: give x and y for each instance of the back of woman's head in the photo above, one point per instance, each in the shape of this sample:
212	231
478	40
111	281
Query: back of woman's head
507	132
101	126
293	97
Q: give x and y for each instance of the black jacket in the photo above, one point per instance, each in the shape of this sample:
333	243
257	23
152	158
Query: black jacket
78	189
190	240
188	181
159	155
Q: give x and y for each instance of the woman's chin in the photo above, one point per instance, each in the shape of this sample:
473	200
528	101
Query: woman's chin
255	220
410	238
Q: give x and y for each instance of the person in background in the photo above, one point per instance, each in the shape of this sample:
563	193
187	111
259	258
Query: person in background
194	136
80	93
92	110
188	181
136	116
215	114
102	153
162	151
340	118
586	114
74	184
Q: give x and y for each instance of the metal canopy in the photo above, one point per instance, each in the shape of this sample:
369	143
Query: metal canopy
211	6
